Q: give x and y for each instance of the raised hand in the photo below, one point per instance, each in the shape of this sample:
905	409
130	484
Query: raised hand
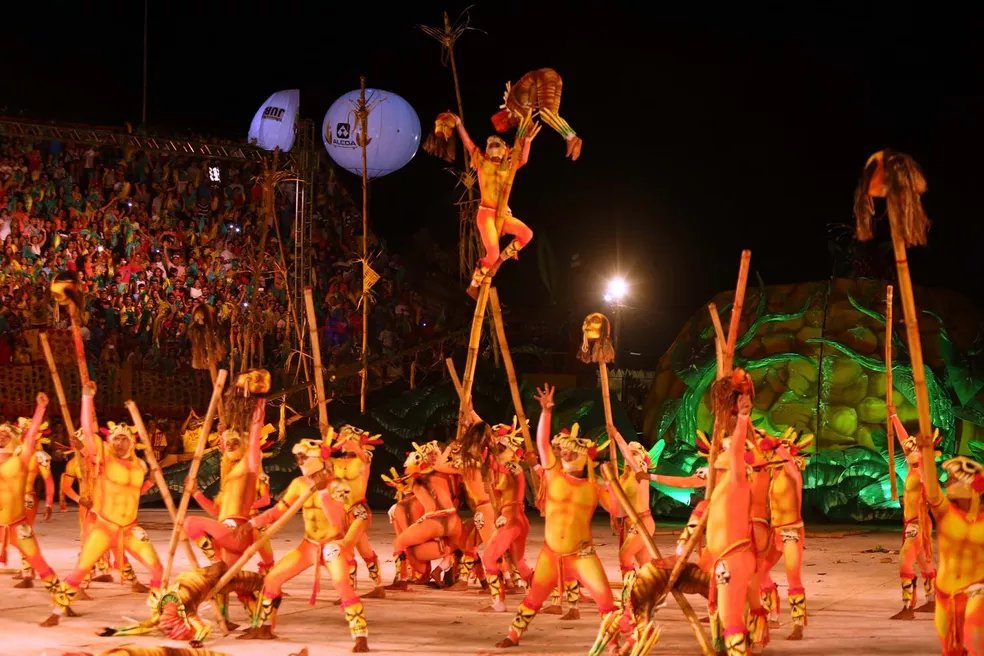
545	396
89	389
744	404
42	399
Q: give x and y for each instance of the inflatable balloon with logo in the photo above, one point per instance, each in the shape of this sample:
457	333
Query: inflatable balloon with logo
393	127
273	123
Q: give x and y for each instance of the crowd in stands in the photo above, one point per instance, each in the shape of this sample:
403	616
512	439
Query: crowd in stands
153	235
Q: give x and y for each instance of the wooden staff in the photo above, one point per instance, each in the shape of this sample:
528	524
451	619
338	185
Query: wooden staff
178	532
261	540
319	377
60	393
607	402
474	339
158	475
517	399
720	343
889	393
362	114
608	472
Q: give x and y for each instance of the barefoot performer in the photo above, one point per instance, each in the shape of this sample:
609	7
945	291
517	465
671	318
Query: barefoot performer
570	501
493	166
16	454
120	479
917	540
511	526
352	449
39	464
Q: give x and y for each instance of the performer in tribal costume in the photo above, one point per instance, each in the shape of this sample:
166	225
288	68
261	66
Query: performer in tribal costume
570	500
329	542
39	464
119	480
17	450
917	533
352	456
66	489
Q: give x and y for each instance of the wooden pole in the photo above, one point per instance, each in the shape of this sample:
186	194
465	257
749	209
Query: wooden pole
454	375
608	472
720	343
319	377
178	532
261	540
363	115
500	330
73	314
889	393
155	471
471	361
63	405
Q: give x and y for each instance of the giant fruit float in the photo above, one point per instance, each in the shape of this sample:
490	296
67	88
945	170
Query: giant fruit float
816	354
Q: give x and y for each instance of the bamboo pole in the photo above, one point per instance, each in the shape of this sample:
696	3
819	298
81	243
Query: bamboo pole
889	393
63	405
474	339
158	475
608	472
206	430
319	376
454	375
517	400
363	116
720	343
912	332
261	540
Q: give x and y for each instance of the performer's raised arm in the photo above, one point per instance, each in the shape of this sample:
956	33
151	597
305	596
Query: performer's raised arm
938	502
543	429
738	447
31	438
254	455
623	446
470	146
89	420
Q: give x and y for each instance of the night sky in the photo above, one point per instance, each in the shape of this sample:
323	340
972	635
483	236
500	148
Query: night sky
705	130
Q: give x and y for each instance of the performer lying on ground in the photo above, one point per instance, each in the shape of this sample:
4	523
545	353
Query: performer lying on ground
492	167
329	541
218	538
960	533
569	505
511	526
39	464
917	533
352	449
120	479
16	454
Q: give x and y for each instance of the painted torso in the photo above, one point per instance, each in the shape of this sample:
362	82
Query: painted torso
785	497
13	478
355	473
961	544
117	493
569	506
729	510
238	491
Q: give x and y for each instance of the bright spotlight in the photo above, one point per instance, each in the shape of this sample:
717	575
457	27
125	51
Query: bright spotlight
617	289
607	298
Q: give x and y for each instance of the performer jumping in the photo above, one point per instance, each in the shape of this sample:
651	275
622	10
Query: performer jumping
492	167
569	505
39	464
960	534
120	479
511	526
330	541
917	541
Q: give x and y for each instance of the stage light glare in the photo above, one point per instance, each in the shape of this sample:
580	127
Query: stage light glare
617	289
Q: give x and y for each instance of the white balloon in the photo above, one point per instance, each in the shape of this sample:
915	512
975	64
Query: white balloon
273	123
393	126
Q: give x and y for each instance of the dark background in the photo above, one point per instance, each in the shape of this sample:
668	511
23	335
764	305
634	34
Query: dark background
706	130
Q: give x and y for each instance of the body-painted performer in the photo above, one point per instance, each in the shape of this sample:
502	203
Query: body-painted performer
468	459
786	523
174	612
492	167
511	526
262	501
66	490
240	467
329	541
351	462
436	533
402	514
569	505
959	614
917	540
40	464
17	451
119	480
635	481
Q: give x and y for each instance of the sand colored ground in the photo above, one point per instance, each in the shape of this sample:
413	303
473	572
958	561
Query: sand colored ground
850	596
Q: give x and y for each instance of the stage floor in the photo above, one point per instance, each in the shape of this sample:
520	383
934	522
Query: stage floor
850	596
